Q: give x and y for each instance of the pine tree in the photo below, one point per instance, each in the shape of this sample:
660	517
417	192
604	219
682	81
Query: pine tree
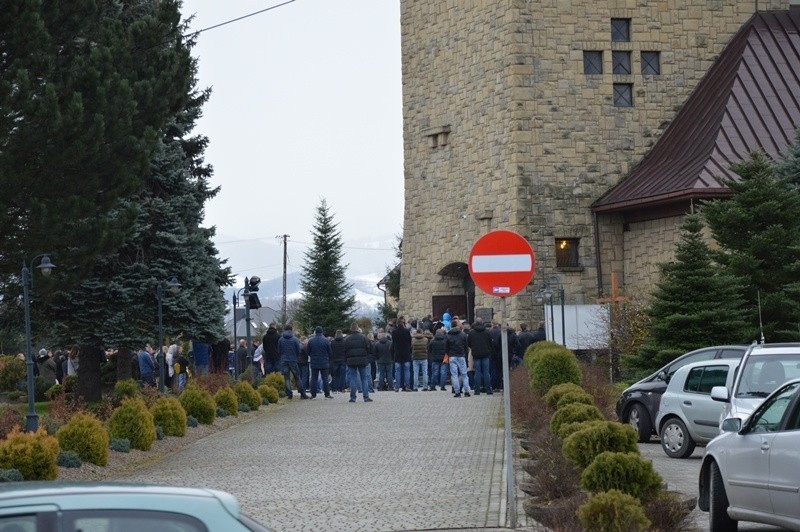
328	300
696	304
759	235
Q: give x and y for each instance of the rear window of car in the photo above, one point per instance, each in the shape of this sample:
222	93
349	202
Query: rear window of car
731	353
702	379
117	520
762	374
696	357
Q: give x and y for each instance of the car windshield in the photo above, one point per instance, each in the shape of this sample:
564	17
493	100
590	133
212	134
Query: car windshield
762	374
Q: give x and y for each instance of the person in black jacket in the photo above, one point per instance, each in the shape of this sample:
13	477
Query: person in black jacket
457	355
272	357
338	366
383	356
479	340
401	344
356	352
525	338
437	347
319	353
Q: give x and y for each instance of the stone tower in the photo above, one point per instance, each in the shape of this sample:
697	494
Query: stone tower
518	114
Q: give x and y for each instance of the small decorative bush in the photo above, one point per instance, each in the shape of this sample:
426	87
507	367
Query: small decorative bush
269	393
221	412
34	454
70	383
40	387
556	392
15	395
11	475
575	397
626	472
199	404
613	511
247	395
102	408
54	391
555	367
127	388
10	418
85	435
584	445
159	433
69	459
535	351
228	401
574	413
132	420
121	445
275	380
191	421
170	416
569	428
50	424
12	370
244	407
214	382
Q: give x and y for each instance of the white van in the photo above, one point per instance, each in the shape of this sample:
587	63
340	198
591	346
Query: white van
764	367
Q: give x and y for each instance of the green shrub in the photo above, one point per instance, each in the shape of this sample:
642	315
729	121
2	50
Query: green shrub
221	412
69	459
85	435
170	416
535	351
9	419
70	383
11	475
584	445
244	407
127	388
133	421
269	393
575	397
574	413
191	421
54	390
555	367
12	371
40	387
275	379
227	400
613	511
247	395
34	454
159	433
199	404
50	423
121	445
15	395
568	428
556	392
626	472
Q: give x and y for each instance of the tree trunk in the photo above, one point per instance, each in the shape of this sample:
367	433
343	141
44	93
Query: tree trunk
124	358
89	387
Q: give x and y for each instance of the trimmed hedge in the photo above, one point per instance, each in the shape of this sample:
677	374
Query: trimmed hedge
583	446
626	472
573	413
613	511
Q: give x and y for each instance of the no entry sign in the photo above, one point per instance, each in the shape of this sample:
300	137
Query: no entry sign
501	263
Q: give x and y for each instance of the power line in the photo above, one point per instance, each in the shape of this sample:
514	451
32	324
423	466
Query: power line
237	19
256	239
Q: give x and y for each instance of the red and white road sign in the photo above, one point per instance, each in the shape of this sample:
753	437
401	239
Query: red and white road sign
502	263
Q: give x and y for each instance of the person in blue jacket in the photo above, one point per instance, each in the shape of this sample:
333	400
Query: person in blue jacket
289	349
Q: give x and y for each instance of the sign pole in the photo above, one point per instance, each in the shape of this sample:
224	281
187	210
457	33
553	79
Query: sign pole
511	498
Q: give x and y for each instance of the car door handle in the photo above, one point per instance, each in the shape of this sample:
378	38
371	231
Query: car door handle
765	446
687	403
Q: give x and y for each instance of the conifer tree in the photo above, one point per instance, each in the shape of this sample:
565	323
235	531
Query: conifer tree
759	235
696	304
328	300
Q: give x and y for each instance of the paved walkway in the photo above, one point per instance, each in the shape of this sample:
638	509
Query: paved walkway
406	461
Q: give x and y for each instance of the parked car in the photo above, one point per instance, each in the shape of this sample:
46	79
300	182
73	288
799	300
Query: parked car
687	414
764	367
750	471
638	404
108	507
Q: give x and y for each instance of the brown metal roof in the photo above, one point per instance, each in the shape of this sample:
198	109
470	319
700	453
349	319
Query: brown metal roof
749	100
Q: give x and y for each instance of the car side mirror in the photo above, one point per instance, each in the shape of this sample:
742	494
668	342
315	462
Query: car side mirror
732	424
662	376
720	393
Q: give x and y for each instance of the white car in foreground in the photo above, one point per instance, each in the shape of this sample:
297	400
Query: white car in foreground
751	472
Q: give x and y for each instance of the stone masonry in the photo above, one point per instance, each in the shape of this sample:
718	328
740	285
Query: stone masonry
503	130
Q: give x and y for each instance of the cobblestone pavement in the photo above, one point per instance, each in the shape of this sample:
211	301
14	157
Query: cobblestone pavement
406	461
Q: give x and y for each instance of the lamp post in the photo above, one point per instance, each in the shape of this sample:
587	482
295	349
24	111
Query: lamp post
32	420
546	296
235	301
173	285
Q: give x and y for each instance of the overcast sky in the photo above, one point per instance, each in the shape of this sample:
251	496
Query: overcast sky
306	104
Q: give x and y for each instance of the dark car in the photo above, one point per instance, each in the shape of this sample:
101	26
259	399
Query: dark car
638	404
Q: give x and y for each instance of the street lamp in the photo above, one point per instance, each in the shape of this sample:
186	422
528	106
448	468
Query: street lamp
46	267
250	301
173	285
547	296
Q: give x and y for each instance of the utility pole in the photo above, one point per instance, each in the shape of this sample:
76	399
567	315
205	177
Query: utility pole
283	301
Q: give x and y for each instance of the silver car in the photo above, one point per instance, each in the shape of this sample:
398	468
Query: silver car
751	472
687	414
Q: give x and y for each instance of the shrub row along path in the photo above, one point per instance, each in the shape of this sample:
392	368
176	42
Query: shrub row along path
406	461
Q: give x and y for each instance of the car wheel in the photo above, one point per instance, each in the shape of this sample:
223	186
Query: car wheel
639	419
718	518
675	439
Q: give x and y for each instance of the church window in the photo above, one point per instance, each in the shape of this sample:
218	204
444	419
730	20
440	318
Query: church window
621	62
651	63
592	62
567	252
623	95
621	29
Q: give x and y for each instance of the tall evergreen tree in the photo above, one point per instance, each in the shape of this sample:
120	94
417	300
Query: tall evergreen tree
758	231
696	304
328	300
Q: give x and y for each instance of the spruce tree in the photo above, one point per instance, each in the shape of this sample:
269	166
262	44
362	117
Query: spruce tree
696	304
759	235
328	300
